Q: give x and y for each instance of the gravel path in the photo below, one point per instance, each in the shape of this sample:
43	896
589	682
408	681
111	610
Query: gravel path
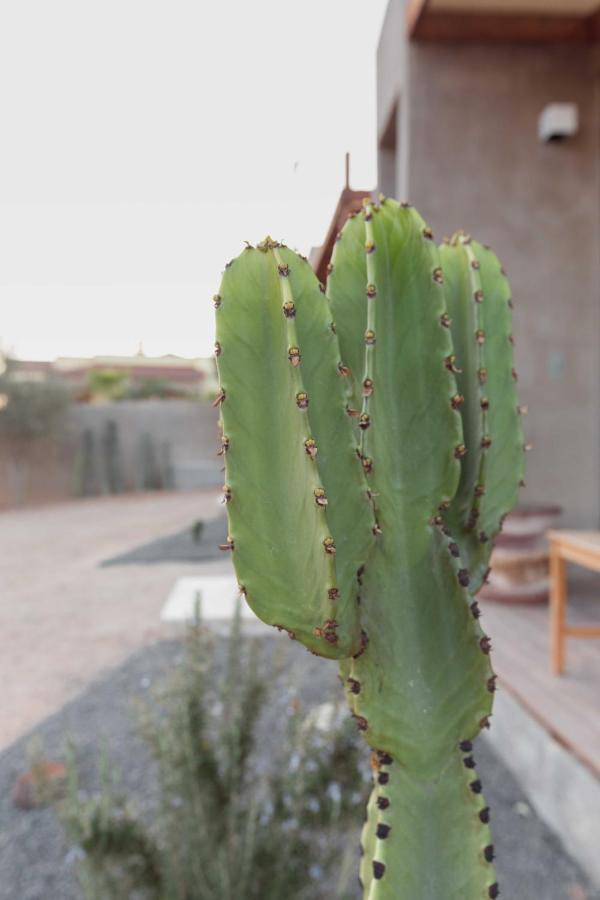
63	617
35	863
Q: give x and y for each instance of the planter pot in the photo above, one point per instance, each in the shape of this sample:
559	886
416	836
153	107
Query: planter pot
520	558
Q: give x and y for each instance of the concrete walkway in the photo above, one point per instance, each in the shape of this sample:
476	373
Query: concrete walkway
63	618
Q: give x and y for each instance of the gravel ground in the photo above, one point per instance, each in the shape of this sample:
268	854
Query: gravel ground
35	863
64	618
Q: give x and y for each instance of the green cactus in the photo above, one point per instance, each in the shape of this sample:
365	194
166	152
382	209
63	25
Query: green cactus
369	465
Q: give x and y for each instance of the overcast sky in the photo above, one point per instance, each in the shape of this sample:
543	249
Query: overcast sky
142	141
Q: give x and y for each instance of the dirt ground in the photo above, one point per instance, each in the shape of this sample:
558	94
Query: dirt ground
64	618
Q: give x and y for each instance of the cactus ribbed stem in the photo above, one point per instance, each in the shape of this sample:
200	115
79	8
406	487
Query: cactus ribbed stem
427	346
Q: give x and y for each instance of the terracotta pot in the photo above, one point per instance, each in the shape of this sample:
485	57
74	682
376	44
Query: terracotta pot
520	559
40	785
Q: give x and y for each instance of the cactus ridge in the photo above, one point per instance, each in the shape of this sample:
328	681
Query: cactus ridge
371	293
369	465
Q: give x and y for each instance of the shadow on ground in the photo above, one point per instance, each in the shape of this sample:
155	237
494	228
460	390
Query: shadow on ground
198	543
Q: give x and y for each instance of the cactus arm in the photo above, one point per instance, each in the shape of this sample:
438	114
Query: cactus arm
284	550
422	684
395	289
478	297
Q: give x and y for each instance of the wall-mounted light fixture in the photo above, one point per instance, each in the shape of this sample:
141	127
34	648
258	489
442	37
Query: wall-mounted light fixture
558	121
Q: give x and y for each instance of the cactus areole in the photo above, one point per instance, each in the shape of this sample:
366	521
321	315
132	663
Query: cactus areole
373	445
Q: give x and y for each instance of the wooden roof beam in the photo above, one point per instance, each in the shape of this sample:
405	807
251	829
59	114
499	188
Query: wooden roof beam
426	24
415	11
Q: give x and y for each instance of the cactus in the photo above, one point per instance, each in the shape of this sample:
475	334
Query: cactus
86	481
149	468
369	464
111	451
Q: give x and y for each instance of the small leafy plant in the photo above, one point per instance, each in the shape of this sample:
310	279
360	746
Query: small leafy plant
238	817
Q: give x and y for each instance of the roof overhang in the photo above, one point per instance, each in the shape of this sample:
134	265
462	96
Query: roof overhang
549	21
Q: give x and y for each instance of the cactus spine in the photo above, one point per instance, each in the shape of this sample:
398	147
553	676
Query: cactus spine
369	466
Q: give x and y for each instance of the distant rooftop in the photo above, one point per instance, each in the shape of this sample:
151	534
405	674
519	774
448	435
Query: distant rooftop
66	364
176	370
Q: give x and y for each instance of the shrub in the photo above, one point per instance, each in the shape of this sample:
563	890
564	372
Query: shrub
238	818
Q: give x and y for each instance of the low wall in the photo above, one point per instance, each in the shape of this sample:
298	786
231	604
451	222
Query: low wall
39	471
115	447
150	443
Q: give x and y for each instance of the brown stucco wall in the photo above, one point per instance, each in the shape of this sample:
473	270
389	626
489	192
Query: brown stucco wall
474	161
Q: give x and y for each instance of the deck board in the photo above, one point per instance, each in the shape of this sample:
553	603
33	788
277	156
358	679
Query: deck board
567	705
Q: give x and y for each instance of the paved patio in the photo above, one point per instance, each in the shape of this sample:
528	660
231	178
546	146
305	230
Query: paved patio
63	619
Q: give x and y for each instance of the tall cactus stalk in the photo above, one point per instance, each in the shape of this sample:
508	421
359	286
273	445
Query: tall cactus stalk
369	465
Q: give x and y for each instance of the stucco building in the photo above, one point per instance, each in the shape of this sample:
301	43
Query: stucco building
461	88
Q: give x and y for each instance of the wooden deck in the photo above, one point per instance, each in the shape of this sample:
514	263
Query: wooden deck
567	705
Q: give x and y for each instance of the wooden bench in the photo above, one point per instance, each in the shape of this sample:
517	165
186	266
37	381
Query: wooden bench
582	548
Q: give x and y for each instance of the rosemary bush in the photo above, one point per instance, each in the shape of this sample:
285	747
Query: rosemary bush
243	813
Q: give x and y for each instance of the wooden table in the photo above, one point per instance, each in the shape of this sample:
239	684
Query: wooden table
582	548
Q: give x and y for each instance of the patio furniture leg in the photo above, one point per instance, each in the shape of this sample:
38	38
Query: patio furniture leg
558	598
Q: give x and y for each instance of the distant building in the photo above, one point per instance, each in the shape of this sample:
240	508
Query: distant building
182	376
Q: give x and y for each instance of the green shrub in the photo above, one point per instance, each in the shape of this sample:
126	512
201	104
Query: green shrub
107	384
31	409
240	816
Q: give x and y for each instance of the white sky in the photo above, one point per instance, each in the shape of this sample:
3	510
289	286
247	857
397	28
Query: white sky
141	141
